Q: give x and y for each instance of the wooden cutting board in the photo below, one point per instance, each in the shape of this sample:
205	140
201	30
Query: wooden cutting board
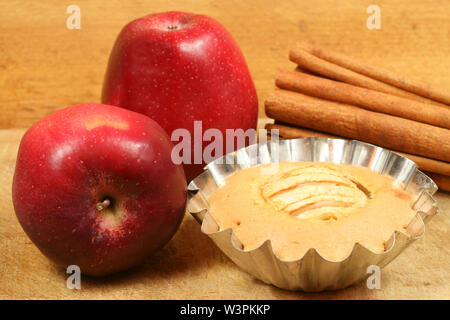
191	267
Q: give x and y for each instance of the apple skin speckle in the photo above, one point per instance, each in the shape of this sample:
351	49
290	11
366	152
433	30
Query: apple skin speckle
180	67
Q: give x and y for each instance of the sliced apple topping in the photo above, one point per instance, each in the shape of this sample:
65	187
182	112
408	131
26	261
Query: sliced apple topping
314	192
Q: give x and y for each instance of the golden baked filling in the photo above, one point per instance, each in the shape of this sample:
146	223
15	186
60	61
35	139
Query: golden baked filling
306	205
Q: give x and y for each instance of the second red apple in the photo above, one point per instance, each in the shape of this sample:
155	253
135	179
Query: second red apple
178	68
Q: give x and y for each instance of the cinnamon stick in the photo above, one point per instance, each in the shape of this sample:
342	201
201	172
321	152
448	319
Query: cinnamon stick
328	69
443	182
366	98
406	83
356	123
425	164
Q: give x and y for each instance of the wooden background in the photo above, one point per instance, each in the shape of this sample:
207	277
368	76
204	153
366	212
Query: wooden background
44	66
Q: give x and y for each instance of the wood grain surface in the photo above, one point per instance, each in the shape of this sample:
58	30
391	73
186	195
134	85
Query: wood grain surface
190	266
44	66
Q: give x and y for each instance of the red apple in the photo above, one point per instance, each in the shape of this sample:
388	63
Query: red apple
95	186
179	67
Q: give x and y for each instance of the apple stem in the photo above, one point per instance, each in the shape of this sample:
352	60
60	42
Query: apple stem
103	205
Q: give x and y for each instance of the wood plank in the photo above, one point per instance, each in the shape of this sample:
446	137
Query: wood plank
191	267
44	66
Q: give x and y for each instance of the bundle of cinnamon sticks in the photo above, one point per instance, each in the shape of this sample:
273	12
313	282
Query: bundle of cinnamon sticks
333	95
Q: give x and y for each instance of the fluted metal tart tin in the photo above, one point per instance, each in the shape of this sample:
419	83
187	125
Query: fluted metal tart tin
312	272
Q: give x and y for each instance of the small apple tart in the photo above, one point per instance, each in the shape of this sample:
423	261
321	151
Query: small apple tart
307	205
312	214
